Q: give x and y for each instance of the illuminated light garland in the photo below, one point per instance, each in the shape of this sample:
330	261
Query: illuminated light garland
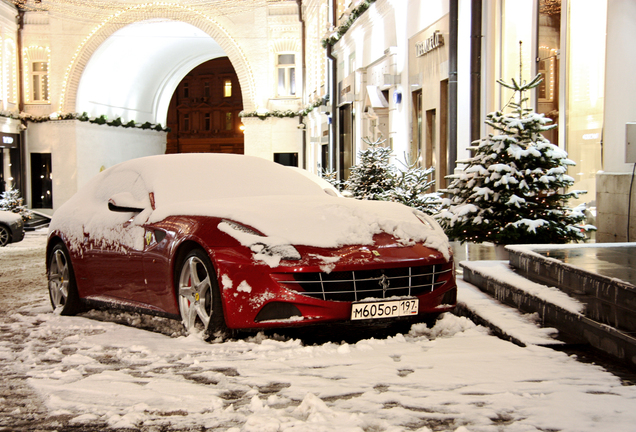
95	9
340	31
154	7
263	113
100	120
10	72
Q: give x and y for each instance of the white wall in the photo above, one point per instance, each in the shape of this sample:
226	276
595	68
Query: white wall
613	185
80	149
620	84
263	138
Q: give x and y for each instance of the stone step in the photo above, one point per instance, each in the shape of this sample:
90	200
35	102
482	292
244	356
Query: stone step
597	275
554	308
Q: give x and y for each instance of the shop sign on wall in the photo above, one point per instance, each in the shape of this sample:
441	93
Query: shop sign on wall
424	47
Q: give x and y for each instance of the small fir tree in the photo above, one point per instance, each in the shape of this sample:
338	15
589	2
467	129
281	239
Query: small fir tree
511	189
11	201
331	176
411	187
375	178
374	175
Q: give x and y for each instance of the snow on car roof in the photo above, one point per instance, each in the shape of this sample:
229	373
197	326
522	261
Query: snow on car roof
285	205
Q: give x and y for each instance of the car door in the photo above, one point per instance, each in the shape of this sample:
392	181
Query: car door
113	270
158	289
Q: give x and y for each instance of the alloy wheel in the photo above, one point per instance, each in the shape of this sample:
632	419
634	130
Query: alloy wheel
195	294
59	278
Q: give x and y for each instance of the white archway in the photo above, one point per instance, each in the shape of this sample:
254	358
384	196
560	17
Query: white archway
135	71
218	36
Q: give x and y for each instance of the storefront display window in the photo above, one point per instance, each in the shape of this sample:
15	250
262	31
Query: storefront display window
585	91
516	30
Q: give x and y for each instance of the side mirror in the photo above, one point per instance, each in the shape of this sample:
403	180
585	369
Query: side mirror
125	202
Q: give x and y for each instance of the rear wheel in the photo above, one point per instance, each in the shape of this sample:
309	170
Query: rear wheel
62	287
199	296
5	236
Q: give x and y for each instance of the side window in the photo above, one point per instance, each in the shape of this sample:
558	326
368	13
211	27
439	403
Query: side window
40	90
36	80
286	78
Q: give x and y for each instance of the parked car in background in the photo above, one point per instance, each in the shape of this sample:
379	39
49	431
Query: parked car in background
11	228
225	242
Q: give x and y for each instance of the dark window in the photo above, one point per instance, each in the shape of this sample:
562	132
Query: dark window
186	122
207	121
186	90
206	89
228	121
287	159
41	181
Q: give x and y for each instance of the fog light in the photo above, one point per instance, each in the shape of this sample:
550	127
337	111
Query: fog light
277	311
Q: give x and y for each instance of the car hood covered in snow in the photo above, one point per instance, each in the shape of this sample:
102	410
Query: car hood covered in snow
284	205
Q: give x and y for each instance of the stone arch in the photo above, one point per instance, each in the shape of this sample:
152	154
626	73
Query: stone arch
103	31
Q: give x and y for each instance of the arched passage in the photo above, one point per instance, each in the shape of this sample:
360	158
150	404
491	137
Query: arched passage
109	76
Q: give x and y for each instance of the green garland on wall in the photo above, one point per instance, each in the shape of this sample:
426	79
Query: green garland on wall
341	30
285	114
101	120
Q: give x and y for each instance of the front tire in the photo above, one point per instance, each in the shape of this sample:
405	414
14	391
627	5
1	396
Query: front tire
5	236
199	297
62	286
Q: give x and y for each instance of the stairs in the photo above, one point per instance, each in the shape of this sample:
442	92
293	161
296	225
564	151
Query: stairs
586	292
38	220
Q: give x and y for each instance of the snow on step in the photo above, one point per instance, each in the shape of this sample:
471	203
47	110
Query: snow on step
510	321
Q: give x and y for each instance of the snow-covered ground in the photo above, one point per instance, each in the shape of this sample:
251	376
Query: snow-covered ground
91	371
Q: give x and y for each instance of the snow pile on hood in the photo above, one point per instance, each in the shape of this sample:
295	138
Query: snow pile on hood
288	207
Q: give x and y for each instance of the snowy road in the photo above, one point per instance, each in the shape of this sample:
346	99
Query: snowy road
87	373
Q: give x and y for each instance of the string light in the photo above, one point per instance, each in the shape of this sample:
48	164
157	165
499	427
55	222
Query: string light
94	10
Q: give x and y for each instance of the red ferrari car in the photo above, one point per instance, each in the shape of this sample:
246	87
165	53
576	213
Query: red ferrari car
236	242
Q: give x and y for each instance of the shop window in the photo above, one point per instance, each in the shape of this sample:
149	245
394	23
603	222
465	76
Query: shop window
41	181
40	90
287	159
514	31
286	69
227	88
585	87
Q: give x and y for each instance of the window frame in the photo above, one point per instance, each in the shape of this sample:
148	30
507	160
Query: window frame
289	89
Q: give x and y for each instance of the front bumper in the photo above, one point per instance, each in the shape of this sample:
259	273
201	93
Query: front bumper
259	297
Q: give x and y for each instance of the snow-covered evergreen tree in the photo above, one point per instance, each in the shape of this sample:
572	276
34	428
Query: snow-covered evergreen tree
375	178
374	175
11	201
331	176
411	187
511	191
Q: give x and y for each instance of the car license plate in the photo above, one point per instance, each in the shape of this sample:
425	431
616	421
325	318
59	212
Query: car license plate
384	309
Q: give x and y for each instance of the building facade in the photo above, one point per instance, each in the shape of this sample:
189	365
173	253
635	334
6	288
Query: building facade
84	88
423	75
87	85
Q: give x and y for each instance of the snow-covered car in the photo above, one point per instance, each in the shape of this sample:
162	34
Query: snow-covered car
225	242
11	228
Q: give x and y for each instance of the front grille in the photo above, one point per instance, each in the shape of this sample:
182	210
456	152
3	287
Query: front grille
381	283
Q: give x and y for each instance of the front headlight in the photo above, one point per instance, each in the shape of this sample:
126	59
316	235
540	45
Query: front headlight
258	243
426	220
